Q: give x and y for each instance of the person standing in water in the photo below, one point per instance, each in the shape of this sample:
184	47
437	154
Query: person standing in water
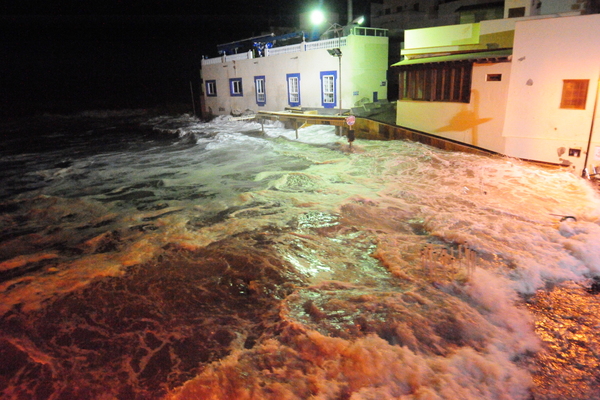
350	135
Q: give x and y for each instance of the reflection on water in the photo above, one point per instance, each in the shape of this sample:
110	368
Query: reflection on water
567	322
149	258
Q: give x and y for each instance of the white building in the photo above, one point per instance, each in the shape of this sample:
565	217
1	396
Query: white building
524	87
398	16
302	75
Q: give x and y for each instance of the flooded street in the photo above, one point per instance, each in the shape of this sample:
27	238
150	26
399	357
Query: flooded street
159	257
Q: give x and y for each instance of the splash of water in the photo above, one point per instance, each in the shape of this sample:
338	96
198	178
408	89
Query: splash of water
221	263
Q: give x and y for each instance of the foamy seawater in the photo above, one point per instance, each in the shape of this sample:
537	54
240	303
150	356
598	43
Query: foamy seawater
152	257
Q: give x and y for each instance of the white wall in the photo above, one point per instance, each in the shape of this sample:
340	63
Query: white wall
547	51
274	68
479	123
364	67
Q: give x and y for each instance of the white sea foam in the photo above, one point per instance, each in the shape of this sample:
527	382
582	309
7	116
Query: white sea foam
353	225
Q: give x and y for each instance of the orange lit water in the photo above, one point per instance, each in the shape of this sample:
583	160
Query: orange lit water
175	259
567	322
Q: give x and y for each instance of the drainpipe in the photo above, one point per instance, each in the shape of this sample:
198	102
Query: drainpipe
585	173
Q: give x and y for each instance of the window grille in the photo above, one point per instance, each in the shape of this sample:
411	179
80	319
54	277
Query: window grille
328	89
211	88
261	97
437	82
235	87
293	89
574	93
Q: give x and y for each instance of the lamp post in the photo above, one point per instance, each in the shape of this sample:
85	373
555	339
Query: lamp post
338	53
317	17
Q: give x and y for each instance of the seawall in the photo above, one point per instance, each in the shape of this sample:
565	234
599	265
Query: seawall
376	130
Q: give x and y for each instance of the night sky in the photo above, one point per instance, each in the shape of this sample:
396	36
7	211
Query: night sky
64	56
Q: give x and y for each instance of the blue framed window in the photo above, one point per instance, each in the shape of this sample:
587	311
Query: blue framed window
261	94
235	87
293	84
211	88
328	89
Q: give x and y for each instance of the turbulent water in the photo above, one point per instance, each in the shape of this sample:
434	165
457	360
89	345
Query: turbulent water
146	257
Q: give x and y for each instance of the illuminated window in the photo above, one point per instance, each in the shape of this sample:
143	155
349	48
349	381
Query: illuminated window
328	79
261	97
235	87
574	93
211	88
293	81
437	82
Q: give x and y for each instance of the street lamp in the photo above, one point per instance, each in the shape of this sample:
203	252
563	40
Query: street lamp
317	17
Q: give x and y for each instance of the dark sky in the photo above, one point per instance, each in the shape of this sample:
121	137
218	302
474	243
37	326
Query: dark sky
62	55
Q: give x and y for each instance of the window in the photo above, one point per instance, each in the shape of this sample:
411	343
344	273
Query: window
574	93
437	82
328	85
516	12
293	81
493	77
211	88
235	87
259	84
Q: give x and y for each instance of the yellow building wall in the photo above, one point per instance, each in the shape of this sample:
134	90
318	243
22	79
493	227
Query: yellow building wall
478	123
366	65
485	35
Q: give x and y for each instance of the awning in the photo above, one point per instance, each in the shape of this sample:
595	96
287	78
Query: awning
496	55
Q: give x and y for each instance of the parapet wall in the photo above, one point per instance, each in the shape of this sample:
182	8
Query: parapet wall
376	130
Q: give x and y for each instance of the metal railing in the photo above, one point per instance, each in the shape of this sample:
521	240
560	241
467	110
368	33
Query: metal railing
360	31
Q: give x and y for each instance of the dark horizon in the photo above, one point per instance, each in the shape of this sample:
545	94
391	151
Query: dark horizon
58	57
68	63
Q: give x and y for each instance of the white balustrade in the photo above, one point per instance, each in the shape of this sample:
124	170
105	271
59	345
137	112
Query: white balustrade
304	46
293	48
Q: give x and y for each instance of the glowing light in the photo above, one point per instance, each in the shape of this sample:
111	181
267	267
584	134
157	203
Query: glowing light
358	20
317	17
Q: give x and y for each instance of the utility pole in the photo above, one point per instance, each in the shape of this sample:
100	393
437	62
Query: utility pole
350	12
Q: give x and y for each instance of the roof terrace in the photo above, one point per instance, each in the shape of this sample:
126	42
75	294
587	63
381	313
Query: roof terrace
299	47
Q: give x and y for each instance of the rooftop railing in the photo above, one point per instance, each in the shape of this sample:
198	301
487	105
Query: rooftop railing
304	46
293	48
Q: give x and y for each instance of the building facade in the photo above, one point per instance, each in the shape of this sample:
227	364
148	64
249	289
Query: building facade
398	16
526	87
331	74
